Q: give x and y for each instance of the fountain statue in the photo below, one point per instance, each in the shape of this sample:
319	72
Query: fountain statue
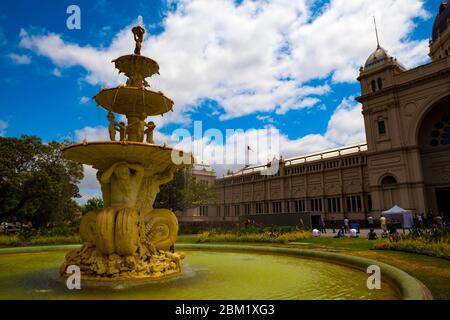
128	238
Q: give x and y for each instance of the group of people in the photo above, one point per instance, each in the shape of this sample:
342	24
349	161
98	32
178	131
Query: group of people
429	221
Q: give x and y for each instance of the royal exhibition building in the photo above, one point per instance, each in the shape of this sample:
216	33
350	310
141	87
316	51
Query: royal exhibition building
405	162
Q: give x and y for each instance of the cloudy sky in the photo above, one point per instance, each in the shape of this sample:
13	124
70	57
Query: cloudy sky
289	65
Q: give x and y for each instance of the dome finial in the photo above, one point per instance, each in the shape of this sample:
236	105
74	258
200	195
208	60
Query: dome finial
376	32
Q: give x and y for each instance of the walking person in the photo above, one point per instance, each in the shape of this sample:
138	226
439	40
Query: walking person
346	225
322	225
383	223
370	222
333	224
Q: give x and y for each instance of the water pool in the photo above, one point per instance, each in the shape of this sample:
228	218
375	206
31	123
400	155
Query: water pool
206	275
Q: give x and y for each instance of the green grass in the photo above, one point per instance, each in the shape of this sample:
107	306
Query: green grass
15	241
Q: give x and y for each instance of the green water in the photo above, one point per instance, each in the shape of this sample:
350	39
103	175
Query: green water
206	275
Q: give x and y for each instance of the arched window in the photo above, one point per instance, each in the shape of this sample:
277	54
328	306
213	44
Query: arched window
374	86
388	180
440	135
380	84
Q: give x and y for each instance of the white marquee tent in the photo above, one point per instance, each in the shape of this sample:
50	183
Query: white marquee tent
396	213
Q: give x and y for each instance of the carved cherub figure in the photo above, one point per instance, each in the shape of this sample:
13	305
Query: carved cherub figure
122	129
112	126
149	131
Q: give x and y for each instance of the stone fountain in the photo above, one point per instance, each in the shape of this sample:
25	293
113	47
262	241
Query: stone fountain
128	238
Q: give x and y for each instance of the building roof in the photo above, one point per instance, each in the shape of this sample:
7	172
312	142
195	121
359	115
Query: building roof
203	167
306	158
441	21
378	56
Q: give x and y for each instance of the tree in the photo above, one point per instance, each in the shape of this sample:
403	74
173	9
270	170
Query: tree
36	183
91	204
183	192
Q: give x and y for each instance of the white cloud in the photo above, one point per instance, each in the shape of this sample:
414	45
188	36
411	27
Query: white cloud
98	133
256	56
346	125
85	100
3	127
89	186
19	58
57	73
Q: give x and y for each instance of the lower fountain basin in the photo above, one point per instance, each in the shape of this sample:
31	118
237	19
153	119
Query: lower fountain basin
207	274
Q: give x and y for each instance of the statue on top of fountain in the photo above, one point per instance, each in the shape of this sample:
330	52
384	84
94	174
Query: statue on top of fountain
138	33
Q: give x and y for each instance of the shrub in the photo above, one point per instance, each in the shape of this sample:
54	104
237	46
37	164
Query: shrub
434	249
433	242
270	237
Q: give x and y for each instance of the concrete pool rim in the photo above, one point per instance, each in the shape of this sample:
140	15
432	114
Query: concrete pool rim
410	288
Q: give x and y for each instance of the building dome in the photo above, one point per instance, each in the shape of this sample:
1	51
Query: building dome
378	56
441	21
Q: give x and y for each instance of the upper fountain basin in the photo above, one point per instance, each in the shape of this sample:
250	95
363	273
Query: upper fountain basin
133	64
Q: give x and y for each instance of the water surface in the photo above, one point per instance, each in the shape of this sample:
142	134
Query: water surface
206	275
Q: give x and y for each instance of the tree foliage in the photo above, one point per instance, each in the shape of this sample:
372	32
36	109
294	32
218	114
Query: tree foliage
36	183
91	204
183	192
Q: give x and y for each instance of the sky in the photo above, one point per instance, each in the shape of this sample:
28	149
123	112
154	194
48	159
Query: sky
258	66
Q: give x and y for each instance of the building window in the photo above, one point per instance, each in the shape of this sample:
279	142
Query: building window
237	211
316	205
227	211
381	127
354	204
374	86
247	209
218	211
259	208
276	207
299	205
388	180
334	205
441	133
203	211
380	84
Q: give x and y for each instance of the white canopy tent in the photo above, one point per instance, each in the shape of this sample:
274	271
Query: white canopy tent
401	215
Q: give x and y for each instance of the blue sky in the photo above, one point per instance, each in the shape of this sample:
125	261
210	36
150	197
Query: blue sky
290	65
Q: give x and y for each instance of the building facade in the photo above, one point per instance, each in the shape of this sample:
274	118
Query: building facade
206	175
405	162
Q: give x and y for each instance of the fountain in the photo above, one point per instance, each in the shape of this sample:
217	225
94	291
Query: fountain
128	238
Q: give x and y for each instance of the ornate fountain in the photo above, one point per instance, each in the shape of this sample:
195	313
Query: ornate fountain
128	238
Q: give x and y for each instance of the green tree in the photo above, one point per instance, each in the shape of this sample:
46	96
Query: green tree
91	204
36	183
183	192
